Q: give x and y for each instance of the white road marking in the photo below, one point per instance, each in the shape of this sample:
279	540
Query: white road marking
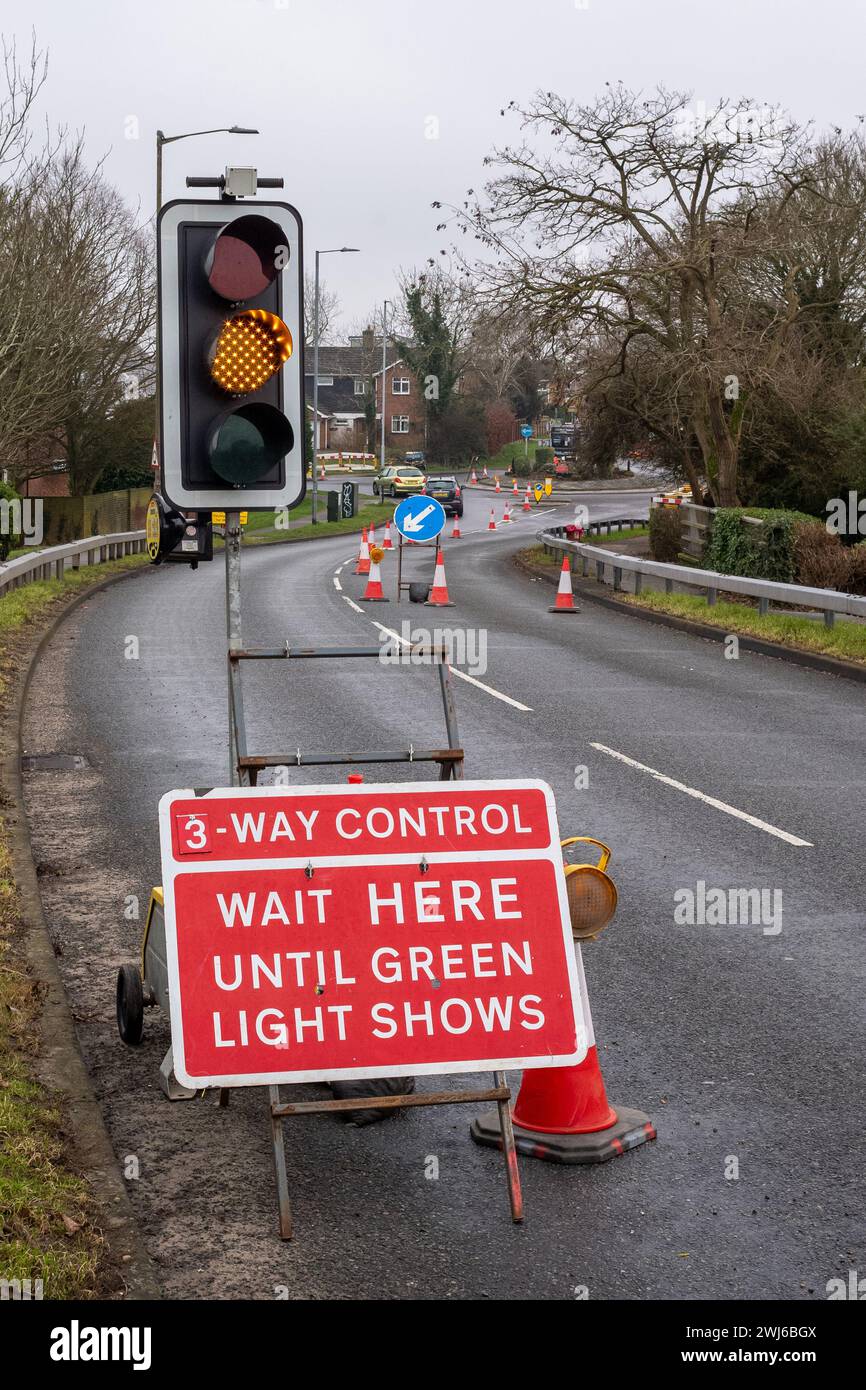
462	675
337	585
352	604
702	796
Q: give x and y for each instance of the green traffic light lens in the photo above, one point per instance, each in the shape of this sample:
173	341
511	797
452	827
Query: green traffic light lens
247	444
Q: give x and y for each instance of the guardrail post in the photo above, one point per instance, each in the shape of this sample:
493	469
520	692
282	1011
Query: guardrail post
763	606
638	581
585	566
617	578
599	571
669	586
712	595
829	617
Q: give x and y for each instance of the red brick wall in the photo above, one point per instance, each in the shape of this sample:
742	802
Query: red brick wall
413	405
50	485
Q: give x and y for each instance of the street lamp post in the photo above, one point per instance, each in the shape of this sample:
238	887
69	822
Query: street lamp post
384	368
163	139
329	251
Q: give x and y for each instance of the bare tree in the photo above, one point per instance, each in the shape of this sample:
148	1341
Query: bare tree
76	292
329	310
101	249
641	227
496	351
35	320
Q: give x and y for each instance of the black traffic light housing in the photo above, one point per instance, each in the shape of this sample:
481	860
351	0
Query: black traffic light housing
231	355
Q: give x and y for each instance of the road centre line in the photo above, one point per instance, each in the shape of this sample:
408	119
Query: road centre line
702	796
461	675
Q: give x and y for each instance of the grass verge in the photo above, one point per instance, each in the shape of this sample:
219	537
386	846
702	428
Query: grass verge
260	530
604	539
48	1227
846	640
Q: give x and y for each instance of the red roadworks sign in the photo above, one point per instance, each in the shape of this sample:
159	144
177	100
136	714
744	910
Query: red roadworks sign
317	933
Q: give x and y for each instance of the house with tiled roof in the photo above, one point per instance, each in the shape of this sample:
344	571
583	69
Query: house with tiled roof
350	398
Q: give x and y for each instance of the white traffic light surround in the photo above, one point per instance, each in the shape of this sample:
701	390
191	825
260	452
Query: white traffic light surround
213	212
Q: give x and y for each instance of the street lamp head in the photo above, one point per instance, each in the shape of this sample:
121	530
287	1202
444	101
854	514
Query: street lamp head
242	130
350	248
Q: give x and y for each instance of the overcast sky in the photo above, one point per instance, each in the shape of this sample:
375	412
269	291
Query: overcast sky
343	91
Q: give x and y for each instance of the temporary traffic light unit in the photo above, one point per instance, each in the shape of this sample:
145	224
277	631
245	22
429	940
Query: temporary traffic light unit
231	355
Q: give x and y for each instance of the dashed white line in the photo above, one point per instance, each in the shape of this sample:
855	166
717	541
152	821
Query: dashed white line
461	675
352	604
702	796
337	585
497	694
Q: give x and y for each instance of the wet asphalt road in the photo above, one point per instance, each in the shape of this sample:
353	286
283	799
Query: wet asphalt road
745	1047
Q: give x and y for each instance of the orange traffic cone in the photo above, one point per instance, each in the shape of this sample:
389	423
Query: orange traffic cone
386	544
455	532
322	473
515	489
497	488
491	525
506	516
563	1114
371	535
564	596
424	485
473	480
439	592
527	505
363	565
373	592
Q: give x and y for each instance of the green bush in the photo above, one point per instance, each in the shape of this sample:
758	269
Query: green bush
543	456
522	466
738	546
665	533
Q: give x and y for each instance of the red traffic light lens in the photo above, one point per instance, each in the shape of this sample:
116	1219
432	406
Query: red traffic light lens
245	258
248	443
248	350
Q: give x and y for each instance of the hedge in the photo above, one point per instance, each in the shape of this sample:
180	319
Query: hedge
738	547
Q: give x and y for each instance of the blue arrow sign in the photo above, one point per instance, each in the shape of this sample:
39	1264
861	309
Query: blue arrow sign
526	431
419	518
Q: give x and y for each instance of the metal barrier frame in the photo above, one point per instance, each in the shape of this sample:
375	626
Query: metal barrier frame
244	769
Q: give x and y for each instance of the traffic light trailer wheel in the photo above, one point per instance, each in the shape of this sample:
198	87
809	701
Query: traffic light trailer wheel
130	1005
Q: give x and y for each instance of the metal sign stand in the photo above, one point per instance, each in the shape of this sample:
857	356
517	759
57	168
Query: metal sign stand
244	770
403	585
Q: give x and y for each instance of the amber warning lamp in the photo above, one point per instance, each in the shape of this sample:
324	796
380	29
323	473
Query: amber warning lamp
591	891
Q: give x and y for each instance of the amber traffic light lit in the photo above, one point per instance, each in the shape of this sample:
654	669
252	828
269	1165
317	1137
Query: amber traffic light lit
249	349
